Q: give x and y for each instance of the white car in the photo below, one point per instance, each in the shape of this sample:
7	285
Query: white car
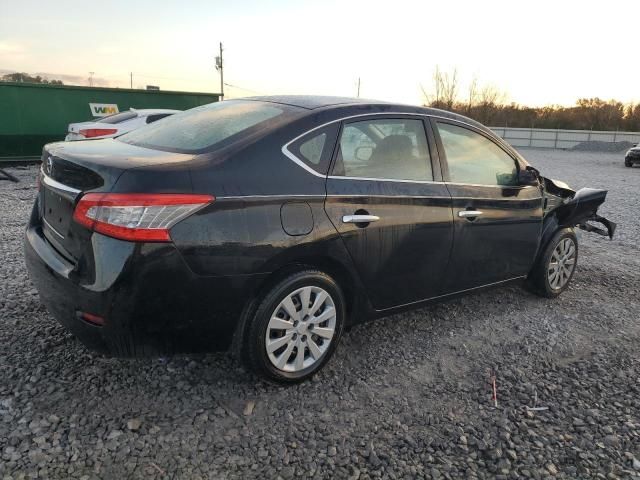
117	124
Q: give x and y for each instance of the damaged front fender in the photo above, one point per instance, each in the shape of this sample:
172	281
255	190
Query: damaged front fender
579	208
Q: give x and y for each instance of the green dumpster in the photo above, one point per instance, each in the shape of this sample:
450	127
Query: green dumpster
33	114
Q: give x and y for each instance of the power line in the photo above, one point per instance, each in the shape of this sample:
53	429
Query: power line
245	89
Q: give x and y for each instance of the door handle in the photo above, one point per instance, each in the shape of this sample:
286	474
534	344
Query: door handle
469	213
360	218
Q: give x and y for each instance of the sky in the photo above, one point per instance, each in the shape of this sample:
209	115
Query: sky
537	52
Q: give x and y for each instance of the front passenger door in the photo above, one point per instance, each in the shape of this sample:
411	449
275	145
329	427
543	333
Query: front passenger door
497	222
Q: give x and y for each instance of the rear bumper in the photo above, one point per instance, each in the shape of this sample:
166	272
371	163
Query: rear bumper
151	301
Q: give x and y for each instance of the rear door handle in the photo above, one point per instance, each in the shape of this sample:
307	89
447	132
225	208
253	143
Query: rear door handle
469	213
360	218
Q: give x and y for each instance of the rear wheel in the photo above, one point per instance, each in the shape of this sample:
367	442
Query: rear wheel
296	327
554	269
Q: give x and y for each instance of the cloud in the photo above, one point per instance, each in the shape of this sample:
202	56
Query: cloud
12	52
11	48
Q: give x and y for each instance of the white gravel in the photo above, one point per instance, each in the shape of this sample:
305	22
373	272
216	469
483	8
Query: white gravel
405	397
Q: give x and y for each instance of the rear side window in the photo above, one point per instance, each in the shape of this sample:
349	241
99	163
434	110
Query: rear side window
393	149
311	150
473	158
118	117
315	148
156	117
203	127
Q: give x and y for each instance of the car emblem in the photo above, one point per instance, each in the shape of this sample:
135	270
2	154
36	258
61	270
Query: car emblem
49	165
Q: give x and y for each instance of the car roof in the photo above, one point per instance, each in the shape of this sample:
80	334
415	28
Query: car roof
314	102
311	102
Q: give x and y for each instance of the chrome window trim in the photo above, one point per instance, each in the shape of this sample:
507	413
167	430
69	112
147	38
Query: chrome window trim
364	195
50	182
352	195
478	199
241	197
299	162
286	152
359	195
371	179
492	186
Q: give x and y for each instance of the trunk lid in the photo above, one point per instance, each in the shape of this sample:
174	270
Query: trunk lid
70	169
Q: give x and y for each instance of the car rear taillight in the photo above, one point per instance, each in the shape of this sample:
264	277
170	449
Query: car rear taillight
97	132
137	217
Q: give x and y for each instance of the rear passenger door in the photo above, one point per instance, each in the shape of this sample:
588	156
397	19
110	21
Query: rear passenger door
497	220
386	198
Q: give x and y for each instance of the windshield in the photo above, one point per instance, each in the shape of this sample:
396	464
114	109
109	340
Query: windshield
203	127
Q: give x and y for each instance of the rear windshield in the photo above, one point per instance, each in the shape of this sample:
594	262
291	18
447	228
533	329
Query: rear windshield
203	127
118	117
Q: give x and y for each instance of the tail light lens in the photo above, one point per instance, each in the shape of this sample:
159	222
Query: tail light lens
137	217
97	132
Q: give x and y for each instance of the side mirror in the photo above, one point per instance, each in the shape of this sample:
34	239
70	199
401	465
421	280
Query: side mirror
528	177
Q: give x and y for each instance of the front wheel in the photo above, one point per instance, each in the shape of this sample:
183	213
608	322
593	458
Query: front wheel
296	327
628	163
555	267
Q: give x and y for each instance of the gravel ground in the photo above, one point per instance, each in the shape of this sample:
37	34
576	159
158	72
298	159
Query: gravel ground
404	397
597	146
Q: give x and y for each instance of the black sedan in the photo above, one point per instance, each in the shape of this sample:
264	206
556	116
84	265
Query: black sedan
632	156
271	224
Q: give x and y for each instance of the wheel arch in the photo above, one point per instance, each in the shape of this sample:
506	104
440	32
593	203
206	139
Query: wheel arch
357	304
550	227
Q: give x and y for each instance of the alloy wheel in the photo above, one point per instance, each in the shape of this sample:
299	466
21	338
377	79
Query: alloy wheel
562	263
301	329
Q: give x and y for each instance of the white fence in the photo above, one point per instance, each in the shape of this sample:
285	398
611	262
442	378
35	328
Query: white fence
548	138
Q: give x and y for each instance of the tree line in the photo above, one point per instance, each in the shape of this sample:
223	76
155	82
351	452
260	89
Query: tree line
488	105
26	78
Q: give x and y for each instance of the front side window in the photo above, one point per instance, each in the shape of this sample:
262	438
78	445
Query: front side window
203	127
393	149
473	158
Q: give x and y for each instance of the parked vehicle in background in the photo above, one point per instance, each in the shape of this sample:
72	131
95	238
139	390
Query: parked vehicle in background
632	156
272	224
117	124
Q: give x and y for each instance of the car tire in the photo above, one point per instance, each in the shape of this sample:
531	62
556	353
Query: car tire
628	163
282	327
554	269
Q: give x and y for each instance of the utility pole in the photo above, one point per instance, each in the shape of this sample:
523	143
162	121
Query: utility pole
131	79
358	87
91	78
220	68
